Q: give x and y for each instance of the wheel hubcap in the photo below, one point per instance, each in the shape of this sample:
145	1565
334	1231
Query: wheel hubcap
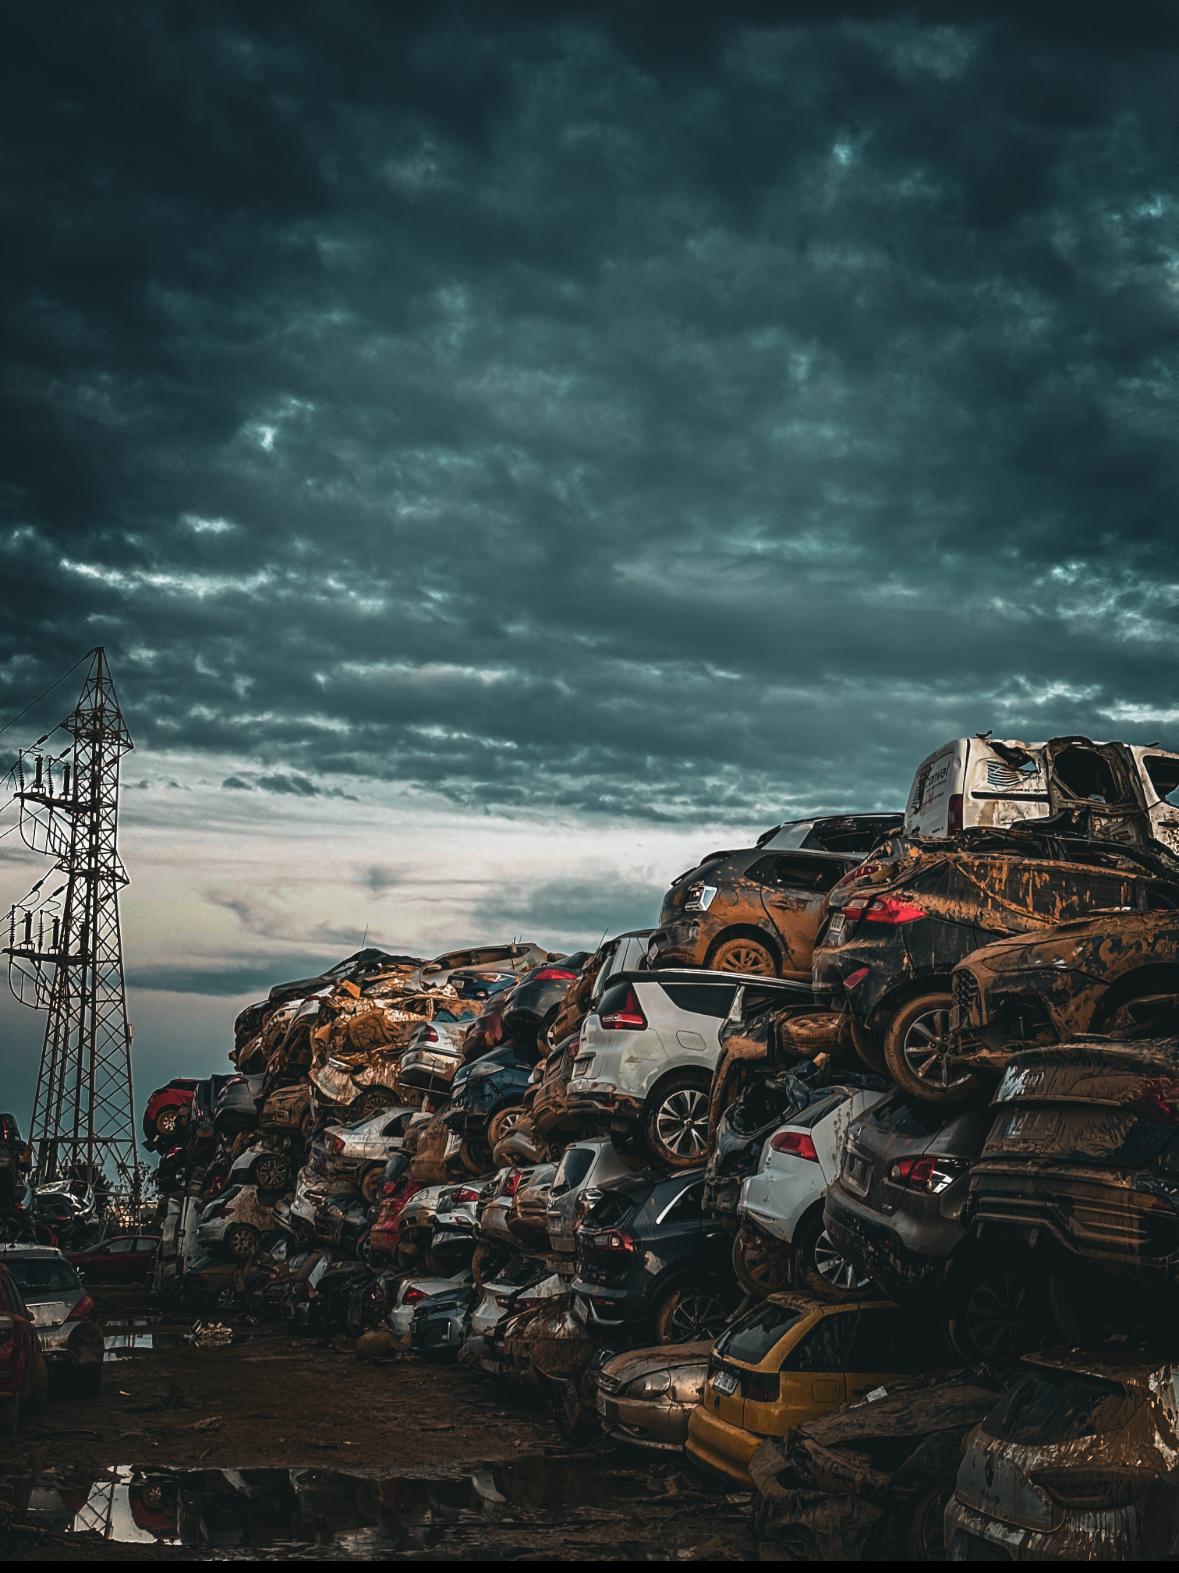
927	1050
834	1268
682	1123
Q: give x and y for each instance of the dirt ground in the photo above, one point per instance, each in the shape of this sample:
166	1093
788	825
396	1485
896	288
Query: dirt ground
284	1447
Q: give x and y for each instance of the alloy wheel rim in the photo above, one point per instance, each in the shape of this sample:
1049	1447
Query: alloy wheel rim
272	1173
745	958
696	1316
763	1267
925	1050
237	1238
834	1268
682	1122
1004	1317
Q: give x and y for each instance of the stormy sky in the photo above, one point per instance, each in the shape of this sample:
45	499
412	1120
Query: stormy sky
505	449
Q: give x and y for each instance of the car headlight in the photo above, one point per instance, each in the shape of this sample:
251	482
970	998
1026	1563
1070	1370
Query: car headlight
653	1386
699	897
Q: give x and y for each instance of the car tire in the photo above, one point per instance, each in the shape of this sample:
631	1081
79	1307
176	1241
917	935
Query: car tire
689	1312
10	1416
822	1270
370	1182
914	1055
166	1122
88	1381
761	1266
868	1047
924	1537
369	1105
241	1241
272	1172
675	1121
307	1127
743	953
1001	1310
501	1122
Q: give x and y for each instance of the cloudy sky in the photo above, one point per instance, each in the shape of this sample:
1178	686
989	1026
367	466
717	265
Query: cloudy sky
506	449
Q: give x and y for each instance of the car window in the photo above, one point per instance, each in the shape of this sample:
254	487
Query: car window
825	1347
751	1337
786	838
37	1275
116	1247
889	1341
687	1205
797	873
1059	1406
700	999
146	1245
1164	777
575	1164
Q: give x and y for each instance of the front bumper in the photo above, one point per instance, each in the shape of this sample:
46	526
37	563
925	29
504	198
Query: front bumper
658	1424
973	1536
678	943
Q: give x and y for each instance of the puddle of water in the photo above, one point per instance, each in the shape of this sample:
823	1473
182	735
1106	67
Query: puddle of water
129	1334
500	1510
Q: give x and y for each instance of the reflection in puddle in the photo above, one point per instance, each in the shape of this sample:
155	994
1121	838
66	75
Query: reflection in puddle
289	1512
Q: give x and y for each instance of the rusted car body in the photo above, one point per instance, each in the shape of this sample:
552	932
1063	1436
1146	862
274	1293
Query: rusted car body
287	1111
1082	1157
1117	972
645	1397
1067	1466
759	909
871	1480
900	925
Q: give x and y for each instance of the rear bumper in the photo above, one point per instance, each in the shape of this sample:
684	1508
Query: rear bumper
598	1305
719	1448
679	943
972	1536
884	1253
600	1103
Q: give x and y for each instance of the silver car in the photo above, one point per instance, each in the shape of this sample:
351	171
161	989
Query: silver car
63	1312
432	1056
646	1396
584	1165
236	1221
358	1153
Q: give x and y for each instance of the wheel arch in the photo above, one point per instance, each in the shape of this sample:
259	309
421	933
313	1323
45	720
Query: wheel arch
902	993
1155	978
764	936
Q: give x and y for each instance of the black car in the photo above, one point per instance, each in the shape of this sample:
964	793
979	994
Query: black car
486	1090
899	926
438	1322
202	1132
648	1259
759	909
1081	1160
236	1109
895	1211
536	999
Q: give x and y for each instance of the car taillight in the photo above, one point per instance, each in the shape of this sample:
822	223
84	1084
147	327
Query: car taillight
82	1310
513	1182
411	1296
428	1035
931	1172
336	1144
800	1144
761	1387
854	979
630	1015
389	1188
553	975
467	1194
883	909
955	815
613	1240
1094	1488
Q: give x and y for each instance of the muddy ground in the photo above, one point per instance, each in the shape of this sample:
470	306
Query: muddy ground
286	1447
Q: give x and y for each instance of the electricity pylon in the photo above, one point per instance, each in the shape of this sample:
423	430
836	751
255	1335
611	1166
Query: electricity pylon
65	951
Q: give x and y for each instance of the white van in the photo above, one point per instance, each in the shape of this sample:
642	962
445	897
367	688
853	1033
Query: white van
1127	793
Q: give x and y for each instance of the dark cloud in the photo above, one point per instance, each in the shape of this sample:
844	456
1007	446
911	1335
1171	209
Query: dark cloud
245	975
577	913
665	414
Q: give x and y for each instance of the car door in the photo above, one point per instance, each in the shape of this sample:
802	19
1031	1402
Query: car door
811	1366
1158	775
886	1343
793	887
689	1027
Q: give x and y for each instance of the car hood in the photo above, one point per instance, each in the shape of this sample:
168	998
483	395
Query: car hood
663	1357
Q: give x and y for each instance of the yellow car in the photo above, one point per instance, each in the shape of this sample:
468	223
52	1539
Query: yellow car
790	1360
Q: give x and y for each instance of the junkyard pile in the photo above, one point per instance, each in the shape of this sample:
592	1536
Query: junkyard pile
855	1180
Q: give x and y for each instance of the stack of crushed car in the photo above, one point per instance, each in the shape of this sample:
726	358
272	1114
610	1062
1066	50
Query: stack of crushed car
856	1179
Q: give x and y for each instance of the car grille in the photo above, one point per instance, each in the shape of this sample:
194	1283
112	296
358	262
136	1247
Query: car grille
967	998
608	1383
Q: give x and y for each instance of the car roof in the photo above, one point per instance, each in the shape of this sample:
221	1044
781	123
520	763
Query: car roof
17	1249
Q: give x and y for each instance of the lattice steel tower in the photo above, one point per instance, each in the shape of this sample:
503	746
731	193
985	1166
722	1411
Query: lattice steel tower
65	950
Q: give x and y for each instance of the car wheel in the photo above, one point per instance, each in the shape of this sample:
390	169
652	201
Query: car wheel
9	1416
925	1532
867	1045
501	1122
272	1172
676	1122
369	1105
761	1266
1003	1313
916	1051
741	953
370	1182
241	1241
166	1122
307	1126
822	1269
689	1313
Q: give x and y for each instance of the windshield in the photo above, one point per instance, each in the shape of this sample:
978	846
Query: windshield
1059	1406
42	1275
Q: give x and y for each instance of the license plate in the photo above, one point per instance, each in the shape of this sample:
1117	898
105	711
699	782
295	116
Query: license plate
835	929
857	1174
725	1383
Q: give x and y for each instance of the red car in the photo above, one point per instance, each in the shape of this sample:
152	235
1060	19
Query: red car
24	1376
385	1233
164	1110
123	1259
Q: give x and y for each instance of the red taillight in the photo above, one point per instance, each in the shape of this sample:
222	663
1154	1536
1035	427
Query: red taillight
855	978
514	1181
931	1172
955	813
886	909
389	1188
82	1310
613	1240
467	1194
800	1144
553	975
411	1296
337	1144
631	1014
429	1035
